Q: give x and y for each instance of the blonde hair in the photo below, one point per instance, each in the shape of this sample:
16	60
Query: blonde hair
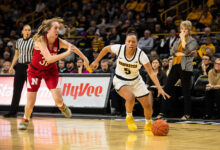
46	25
186	24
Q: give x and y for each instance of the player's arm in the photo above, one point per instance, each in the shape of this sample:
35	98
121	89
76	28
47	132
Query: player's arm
14	61
154	78
41	45
66	45
103	52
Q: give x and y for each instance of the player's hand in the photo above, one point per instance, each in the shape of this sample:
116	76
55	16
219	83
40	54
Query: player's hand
71	48
94	65
11	70
164	94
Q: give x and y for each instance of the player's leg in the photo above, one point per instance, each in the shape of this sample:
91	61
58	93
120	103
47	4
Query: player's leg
33	84
57	96
147	105
142	95
52	82
126	93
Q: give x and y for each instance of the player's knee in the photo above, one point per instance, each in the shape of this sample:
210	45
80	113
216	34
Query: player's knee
130	97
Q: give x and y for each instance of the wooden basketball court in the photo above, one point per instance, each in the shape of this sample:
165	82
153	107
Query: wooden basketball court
79	134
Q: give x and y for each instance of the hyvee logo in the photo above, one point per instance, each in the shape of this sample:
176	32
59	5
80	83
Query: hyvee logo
81	90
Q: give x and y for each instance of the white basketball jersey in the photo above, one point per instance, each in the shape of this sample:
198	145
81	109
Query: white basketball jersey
128	68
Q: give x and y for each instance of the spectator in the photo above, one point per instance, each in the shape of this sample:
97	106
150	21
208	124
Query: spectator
146	43
213	91
95	53
207	33
103	18
153	55
40	6
114	36
5	68
197	60
131	5
205	19
206	65
83	24
182	68
69	66
80	68
6	56
202	49
165	64
103	34
124	28
216	23
210	52
62	66
140	6
158	38
193	15
161	75
170	25
169	43
97	42
105	67
83	43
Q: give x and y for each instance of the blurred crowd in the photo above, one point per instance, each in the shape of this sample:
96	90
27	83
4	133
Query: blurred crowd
93	24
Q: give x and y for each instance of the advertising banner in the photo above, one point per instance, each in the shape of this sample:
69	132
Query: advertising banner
77	91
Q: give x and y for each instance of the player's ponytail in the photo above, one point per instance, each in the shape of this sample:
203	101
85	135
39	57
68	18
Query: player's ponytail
46	25
131	31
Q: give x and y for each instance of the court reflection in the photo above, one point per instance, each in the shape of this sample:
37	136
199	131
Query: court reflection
53	134
155	142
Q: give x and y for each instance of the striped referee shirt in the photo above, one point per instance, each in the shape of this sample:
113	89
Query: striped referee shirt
25	48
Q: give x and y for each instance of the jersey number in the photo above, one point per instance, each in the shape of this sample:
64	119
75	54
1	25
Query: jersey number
127	70
43	62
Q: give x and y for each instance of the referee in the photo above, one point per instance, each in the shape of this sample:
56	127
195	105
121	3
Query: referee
23	54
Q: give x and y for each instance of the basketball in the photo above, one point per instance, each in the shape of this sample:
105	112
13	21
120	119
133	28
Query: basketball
160	128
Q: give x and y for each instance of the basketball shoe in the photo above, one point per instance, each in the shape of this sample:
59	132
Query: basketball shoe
23	124
131	124
148	126
66	111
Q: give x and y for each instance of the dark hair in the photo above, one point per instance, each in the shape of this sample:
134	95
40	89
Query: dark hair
76	67
104	60
160	63
131	31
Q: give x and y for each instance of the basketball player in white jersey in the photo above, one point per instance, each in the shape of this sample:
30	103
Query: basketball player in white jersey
127	80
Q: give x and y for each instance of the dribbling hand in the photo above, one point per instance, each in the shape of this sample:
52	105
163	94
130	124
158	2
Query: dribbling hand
94	65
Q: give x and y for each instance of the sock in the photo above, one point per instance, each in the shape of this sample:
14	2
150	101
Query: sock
147	121
26	118
60	106
129	114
